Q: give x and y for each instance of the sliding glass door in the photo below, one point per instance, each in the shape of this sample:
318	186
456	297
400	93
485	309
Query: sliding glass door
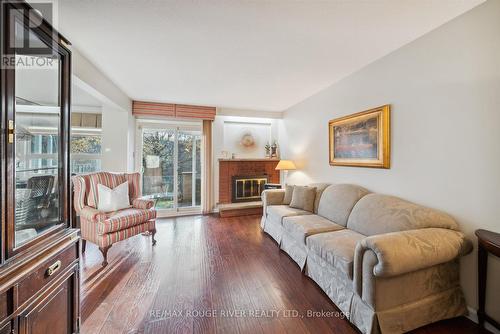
189	168
170	161
158	160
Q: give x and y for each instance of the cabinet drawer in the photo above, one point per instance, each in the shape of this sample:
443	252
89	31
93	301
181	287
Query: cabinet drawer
6	304
46	272
56	310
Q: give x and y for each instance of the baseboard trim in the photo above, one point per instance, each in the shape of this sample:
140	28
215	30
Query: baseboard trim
473	317
472	314
173	214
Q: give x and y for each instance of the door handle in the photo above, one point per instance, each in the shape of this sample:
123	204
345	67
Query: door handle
10	132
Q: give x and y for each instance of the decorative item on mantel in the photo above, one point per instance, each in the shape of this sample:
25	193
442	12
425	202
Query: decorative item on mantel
285	165
268	150
274	150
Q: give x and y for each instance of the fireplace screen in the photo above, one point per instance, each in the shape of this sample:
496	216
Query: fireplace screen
247	188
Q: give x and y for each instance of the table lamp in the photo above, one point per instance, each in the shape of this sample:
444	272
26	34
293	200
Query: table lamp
285	165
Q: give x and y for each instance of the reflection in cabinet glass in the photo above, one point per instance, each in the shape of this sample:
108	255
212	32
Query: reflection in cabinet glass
37	132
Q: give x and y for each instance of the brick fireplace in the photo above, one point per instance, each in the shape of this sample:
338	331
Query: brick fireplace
247	188
246	177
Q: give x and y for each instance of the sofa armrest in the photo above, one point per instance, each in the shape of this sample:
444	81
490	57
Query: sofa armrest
272	197
406	251
92	215
141	203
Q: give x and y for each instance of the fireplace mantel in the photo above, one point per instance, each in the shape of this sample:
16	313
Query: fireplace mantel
250	167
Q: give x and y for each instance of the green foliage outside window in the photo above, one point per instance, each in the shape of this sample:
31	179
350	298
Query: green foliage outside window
86	144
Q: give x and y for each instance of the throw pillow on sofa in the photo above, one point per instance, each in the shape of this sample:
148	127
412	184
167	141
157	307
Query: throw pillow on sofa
288	194
303	198
113	199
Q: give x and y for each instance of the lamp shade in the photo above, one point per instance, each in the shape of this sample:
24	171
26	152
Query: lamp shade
286	165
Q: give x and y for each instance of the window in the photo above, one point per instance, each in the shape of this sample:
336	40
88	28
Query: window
86	144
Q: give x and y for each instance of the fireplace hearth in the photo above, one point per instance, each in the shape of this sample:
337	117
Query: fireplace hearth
247	188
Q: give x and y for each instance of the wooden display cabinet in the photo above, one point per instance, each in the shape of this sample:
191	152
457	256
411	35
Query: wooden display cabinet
39	253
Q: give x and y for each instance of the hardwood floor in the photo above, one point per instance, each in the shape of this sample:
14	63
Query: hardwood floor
210	264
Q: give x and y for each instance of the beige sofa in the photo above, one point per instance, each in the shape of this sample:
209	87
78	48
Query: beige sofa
390	265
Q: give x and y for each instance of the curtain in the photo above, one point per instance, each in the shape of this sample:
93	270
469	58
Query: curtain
207	203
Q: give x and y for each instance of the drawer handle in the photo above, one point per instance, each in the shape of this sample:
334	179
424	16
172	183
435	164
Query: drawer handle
53	268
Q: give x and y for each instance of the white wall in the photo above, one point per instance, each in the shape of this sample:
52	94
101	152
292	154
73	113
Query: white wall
444	89
218	137
115	139
118	124
131	135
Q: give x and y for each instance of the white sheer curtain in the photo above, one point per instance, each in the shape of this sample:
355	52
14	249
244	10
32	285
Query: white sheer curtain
207	203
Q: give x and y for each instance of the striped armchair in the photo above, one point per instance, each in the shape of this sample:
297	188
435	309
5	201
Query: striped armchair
106	228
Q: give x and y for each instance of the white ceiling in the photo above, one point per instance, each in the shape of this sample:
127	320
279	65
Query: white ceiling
260	55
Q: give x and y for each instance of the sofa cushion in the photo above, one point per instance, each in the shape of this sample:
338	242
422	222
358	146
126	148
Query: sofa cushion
377	214
123	219
300	227
288	194
336	248
338	200
89	233
277	212
303	198
320	187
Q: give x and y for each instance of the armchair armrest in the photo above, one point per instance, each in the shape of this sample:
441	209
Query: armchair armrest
141	203
272	197
406	251
93	215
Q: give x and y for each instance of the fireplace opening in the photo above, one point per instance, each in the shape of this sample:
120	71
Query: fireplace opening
247	188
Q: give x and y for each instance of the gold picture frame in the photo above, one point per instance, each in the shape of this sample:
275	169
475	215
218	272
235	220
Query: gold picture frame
361	139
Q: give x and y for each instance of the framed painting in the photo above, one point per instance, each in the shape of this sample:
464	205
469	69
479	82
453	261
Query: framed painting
361	139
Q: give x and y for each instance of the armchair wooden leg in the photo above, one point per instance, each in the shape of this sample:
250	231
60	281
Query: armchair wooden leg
153	240
84	245
104	251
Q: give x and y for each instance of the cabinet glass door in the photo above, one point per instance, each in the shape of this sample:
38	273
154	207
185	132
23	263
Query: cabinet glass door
36	138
